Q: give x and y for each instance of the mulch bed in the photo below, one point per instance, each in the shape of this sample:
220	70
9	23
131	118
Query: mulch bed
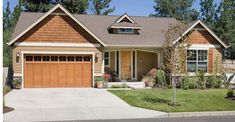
7	109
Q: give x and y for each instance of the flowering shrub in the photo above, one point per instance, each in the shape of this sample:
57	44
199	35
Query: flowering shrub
107	77
150	78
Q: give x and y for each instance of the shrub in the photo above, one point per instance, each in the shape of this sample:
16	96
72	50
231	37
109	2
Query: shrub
188	82
217	81
107	77
123	85
230	93
150	78
209	82
201	79
160	79
114	77
17	83
97	79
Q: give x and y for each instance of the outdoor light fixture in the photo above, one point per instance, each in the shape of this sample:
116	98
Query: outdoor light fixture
97	55
17	57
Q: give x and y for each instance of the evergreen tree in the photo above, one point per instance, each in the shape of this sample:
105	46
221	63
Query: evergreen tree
37	5
208	12
75	6
179	9
101	7
225	25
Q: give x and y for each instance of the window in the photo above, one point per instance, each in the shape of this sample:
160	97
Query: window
46	58
78	58
70	58
106	59
125	30
87	58
133	66
54	58
62	58
197	60
29	58
37	58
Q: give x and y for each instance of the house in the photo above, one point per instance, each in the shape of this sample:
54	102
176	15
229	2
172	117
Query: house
60	49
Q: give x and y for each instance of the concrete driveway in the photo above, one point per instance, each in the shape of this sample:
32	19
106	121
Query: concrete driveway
70	104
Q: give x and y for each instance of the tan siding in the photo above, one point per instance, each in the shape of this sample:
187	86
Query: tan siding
57	29
112	62
217	60
201	37
145	62
17	67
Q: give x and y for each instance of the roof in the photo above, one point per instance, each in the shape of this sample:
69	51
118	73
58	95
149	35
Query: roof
150	35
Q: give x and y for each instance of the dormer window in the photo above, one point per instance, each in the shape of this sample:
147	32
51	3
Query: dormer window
124	25
126	30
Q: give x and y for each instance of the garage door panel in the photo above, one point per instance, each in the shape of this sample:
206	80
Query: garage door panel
28	73
78	75
37	75
45	71
54	74
46	75
62	75
86	74
70	75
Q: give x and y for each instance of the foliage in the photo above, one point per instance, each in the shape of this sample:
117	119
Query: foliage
208	12
113	77
6	89
101	7
160	79
107	77
201	80
150	77
188	82
230	93
217	81
123	85
191	100
209	81
76	6
179	9
17	83
98	79
227	80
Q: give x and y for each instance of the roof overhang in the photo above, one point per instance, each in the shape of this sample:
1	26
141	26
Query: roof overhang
125	27
124	16
207	28
50	12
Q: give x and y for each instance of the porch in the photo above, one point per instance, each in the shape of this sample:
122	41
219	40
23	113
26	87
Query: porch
131	65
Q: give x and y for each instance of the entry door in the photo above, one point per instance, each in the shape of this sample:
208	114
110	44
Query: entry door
126	65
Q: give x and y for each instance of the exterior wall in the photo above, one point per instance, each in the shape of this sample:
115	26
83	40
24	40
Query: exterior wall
205	38
112	63
17	67
145	62
57	29
201	37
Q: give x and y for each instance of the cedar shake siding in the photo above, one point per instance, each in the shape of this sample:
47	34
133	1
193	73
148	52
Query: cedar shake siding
58	29
18	66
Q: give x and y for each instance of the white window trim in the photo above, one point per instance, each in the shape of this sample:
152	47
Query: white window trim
197	59
121	32
107	58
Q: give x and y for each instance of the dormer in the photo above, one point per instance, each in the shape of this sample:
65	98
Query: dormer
124	25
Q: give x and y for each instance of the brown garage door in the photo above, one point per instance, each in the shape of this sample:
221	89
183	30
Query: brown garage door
48	71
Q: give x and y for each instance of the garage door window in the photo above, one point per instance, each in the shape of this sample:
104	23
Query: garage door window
37	58
54	58
62	58
70	58
87	58
46	58
78	58
29	58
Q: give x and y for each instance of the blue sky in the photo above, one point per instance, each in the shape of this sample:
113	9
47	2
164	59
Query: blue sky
132	7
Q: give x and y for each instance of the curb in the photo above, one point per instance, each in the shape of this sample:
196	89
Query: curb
198	114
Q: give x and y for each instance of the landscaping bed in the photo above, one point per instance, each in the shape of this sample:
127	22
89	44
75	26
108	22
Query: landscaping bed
189	100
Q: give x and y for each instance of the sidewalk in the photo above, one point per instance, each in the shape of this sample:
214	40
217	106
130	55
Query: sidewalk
197	114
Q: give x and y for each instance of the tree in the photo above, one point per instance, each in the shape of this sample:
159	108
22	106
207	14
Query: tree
101	7
174	55
208	12
225	25
179	9
73	6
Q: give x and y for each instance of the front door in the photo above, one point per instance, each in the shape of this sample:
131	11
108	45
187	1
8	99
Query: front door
126	65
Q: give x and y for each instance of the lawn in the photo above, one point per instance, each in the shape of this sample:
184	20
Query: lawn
189	100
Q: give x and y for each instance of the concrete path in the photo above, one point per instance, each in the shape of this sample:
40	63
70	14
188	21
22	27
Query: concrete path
70	104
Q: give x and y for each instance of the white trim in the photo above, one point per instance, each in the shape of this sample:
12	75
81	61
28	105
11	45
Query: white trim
36	44
207	28
17	75
137	46
107	58
159	60
204	46
125	16
48	13
58	52
115	26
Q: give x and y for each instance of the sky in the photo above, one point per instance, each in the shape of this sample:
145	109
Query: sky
131	7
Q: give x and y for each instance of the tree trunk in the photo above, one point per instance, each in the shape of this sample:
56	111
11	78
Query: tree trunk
174	90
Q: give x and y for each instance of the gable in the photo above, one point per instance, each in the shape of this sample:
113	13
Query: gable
56	10
59	29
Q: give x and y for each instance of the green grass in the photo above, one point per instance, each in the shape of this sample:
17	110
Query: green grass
189	100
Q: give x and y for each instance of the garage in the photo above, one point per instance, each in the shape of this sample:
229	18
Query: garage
53	71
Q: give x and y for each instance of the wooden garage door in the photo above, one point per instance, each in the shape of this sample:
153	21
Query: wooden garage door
48	71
